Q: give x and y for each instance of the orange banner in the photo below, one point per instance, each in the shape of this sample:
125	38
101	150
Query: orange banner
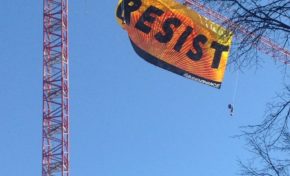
174	37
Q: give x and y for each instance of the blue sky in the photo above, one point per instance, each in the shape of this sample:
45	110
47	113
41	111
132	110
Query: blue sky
127	117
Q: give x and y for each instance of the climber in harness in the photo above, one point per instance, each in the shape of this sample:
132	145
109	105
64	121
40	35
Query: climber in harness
231	109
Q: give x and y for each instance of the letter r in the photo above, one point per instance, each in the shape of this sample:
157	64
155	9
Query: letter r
126	7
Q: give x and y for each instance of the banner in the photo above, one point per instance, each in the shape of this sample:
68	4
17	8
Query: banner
176	38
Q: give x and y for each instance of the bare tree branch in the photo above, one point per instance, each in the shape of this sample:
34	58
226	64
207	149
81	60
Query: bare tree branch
260	18
251	22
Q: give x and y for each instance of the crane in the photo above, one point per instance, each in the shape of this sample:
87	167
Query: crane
55	125
267	46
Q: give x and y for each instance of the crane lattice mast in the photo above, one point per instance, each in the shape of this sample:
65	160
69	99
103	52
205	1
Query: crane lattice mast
55	132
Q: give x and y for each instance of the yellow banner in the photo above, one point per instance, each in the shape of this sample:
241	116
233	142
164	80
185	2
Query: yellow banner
176	38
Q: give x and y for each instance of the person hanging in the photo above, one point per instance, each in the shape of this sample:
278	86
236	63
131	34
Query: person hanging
231	109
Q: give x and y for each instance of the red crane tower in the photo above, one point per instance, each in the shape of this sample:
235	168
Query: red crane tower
55	131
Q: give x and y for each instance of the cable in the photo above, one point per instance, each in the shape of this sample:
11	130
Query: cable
236	88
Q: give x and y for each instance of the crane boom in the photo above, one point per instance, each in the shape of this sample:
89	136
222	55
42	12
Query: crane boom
267	46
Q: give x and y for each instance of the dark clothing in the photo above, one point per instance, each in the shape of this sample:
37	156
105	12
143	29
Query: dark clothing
231	108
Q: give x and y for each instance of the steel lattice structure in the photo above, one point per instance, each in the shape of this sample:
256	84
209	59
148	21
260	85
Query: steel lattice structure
55	139
267	46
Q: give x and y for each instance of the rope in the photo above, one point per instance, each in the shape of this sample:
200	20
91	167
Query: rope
236	88
86	7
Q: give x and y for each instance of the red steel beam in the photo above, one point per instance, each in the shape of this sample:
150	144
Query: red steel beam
55	127
267	46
